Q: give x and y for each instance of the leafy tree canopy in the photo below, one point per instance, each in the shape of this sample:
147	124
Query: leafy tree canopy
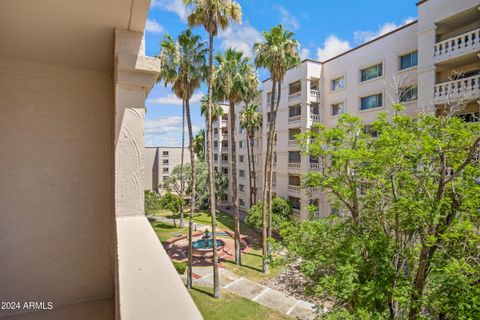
281	212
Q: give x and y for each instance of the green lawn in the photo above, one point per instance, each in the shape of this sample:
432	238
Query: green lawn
251	267
231	306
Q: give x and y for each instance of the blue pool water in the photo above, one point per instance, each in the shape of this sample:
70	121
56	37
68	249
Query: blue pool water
205	244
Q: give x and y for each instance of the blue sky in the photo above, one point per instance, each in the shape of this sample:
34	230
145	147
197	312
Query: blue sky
323	29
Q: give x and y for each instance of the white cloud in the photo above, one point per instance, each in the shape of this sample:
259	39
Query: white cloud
172	99
240	37
166	131
332	46
288	20
175	6
154	27
365	36
304	53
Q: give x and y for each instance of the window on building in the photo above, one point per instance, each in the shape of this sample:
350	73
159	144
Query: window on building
337	109
315	108
215	144
408	94
371	102
241	158
293	180
215	131
225	171
269	116
241	144
292	133
224	157
294	111
408	60
371	72
338	83
165	153
295	202
224	144
215	169
241	202
241	173
215	157
294	157
470	117
241	187
314	159
294	87
165	170
165	161
368	129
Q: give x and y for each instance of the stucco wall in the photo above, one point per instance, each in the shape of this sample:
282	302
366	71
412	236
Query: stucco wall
56	195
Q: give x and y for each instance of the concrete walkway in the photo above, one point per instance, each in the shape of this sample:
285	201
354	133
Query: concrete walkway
255	291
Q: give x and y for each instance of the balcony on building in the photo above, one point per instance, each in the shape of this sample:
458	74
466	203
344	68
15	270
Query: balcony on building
314	90
296	205
464	87
294	184
269	99
292	137
314	164
294	91
294	160
315	112
458	36
294	115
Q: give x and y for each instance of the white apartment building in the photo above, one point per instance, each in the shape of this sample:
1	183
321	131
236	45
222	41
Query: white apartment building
412	64
159	164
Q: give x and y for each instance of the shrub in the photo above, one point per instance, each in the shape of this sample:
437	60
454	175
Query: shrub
152	201
180	267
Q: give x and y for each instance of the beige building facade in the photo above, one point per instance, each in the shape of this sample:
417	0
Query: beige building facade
159	164
424	64
74	240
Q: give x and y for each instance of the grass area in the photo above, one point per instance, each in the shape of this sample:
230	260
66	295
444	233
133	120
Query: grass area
251	267
231	306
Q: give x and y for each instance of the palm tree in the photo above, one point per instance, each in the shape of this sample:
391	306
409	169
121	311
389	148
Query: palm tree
231	77
183	66
199	145
212	15
251	120
277	53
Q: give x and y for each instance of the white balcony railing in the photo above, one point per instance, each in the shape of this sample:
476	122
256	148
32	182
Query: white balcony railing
463	43
294	96
315	166
464	89
224	163
315	117
224	123
293	189
315	94
294	120
313	191
292	143
296	212
294	166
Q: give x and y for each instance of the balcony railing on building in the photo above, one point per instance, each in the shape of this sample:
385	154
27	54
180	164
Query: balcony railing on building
315	167
464	89
224	123
315	95
295	120
296	212
313	191
463	43
292	143
294	166
224	162
315	117
293	189
294	96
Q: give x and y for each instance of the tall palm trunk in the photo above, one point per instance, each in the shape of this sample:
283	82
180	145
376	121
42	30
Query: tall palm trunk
266	183
236	214
216	280
194	191
254	171
250	174
182	179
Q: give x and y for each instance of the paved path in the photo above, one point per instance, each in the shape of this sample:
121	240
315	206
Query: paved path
255	291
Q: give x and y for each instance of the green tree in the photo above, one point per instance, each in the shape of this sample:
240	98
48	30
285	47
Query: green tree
251	120
406	240
172	203
183	66
281	213
212	15
152	201
199	145
202	194
232	75
277	53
